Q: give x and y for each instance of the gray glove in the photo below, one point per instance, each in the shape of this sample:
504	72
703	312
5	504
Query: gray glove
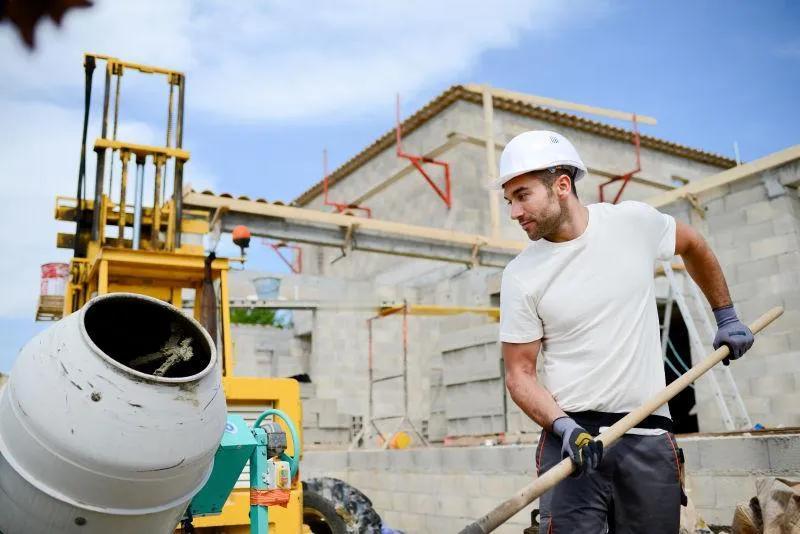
578	445
731	332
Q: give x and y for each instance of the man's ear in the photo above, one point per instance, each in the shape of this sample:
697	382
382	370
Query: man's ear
563	186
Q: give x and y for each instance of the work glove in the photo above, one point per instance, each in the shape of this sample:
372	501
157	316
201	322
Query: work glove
731	332
578	445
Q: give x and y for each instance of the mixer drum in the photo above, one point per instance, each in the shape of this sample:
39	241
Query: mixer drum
109	421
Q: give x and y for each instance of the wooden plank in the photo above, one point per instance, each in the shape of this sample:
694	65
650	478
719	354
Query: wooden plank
725	177
348	221
562	104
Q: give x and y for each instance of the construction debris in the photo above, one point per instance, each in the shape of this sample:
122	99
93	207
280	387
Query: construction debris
774	510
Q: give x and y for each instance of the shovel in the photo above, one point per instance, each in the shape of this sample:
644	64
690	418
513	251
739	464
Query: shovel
562	470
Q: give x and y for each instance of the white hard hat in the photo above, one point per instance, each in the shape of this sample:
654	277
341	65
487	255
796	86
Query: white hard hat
537	150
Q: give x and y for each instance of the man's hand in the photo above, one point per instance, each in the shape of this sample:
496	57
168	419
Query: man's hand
578	445
731	332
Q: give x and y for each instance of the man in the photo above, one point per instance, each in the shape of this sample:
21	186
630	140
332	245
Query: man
583	293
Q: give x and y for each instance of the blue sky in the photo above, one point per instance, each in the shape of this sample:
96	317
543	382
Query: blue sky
264	99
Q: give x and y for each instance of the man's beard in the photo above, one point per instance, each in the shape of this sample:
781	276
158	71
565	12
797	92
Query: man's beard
549	221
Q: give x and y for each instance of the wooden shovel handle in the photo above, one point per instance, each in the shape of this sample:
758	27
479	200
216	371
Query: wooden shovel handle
562	470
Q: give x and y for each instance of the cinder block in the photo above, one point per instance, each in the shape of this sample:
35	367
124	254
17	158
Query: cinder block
455	459
787	403
732	490
759	212
340	421
756	405
498	486
791	300
454	507
438	524
773	384
400	501
430	459
476	426
485	459
770	344
785	223
754	269
477	335
324	461
734	454
326	436
519	459
365	460
409	522
401	461
423	503
725	221
740	199
691	453
308	390
773	246
784	454
325	407
470	364
701	490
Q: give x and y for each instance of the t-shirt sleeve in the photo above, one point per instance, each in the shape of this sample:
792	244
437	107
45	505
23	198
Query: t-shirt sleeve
659	228
519	322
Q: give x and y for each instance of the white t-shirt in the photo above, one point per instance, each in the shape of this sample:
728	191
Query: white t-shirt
592	302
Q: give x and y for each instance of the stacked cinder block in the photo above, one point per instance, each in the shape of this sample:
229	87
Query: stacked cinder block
753	225
323	424
474	385
432	490
722	470
442	489
262	350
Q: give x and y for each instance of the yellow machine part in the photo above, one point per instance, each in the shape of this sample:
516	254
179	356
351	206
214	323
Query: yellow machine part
243	393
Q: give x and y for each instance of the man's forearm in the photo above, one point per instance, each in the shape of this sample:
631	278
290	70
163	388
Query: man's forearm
533	399
705	270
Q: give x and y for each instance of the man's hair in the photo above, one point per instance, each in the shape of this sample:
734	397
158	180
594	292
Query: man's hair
548	176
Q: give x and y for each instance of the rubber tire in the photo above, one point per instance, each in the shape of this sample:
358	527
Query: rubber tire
358	513
320	515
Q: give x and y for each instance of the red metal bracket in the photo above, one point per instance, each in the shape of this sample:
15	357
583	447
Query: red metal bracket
296	265
625	178
418	161
340	208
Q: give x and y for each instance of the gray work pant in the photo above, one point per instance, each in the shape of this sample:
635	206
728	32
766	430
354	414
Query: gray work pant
636	489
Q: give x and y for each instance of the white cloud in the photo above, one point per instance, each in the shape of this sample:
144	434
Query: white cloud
284	60
39	157
256	61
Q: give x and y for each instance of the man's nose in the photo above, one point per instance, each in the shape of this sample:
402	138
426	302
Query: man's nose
516	210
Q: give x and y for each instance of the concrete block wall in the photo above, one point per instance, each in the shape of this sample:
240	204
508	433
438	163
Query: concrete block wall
261	350
721	471
324	425
443	489
474	386
432	490
755	232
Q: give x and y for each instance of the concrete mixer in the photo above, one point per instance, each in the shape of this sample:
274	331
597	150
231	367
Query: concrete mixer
111	420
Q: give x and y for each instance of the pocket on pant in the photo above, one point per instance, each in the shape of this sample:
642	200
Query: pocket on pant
680	466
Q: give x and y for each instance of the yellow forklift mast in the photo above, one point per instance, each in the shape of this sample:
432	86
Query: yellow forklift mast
135	236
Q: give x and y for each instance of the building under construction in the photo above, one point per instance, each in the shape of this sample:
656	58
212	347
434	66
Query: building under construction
388	318
395	322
